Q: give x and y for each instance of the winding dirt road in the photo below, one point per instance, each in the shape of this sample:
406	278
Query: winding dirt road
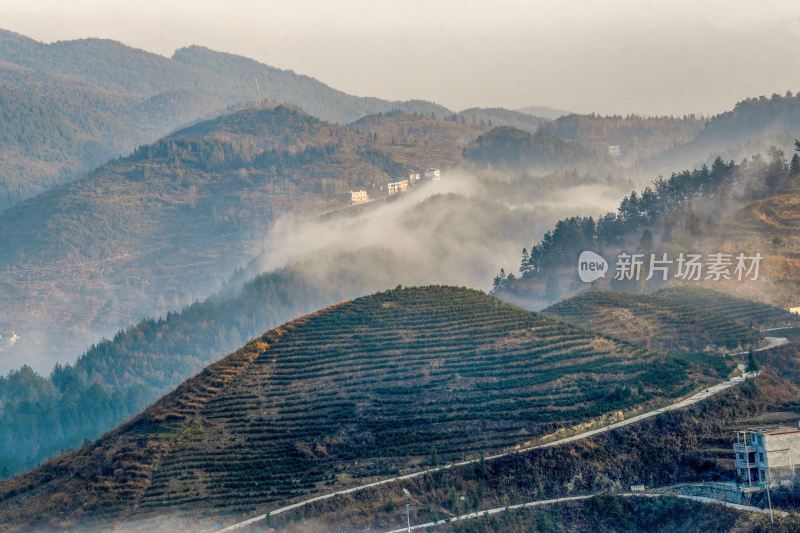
539	503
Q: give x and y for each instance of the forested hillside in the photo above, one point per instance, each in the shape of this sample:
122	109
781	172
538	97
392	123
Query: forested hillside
68	106
420	141
641	146
497	116
752	126
158	229
728	207
116	378
638	138
43	415
516	150
377	395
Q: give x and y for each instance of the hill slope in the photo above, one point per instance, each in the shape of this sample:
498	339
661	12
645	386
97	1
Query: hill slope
378	385
119	377
638	138
69	106
752	126
507	147
665	321
158	229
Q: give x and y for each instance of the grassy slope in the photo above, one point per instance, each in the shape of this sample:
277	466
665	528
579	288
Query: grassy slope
380	385
772	227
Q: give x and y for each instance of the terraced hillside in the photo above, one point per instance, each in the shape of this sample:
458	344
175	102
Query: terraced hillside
683	446
740	310
672	320
383	384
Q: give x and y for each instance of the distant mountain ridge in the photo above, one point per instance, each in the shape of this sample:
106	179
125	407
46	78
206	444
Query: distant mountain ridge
550	113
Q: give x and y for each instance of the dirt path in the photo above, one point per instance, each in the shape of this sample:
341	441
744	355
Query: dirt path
539	503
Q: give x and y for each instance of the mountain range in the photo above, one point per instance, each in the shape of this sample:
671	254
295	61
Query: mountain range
213	191
69	106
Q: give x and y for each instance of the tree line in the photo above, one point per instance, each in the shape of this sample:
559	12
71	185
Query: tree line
751	179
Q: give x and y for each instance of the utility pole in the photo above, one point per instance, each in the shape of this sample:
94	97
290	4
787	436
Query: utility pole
408	516
769	501
769	498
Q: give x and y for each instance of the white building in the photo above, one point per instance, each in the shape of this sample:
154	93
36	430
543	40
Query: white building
795	310
413	176
614	150
359	197
433	174
397	186
768	455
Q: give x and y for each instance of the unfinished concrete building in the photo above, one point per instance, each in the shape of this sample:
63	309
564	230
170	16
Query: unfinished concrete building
768	456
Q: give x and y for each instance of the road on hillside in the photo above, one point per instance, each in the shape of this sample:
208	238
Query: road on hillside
681	404
539	503
772	342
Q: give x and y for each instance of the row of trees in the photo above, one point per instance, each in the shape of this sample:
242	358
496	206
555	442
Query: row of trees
751	179
213	155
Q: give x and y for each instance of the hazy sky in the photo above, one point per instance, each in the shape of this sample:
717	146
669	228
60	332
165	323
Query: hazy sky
671	56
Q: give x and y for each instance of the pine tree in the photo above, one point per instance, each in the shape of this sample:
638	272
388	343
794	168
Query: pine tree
794	166
752	365
525	263
499	280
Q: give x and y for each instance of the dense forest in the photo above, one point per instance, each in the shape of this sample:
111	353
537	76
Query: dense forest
506	147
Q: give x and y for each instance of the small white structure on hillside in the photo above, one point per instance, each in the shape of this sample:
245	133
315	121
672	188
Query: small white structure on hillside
768	456
397	186
795	310
413	176
614	150
433	174
359	197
